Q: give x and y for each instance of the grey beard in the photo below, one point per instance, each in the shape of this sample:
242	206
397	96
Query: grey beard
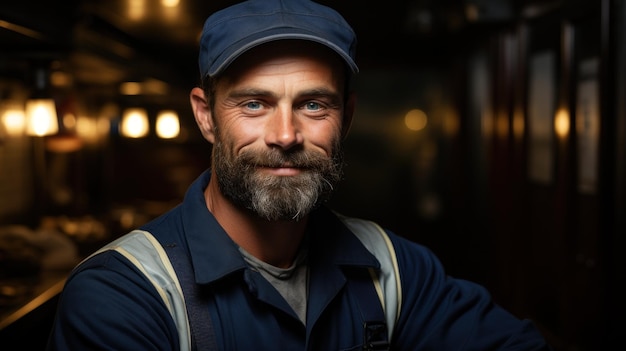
273	197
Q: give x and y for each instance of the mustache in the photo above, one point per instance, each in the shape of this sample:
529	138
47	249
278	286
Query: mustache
281	158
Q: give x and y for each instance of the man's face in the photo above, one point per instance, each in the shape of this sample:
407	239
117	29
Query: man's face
278	119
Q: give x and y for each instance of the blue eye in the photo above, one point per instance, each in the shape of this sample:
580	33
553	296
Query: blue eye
253	105
311	105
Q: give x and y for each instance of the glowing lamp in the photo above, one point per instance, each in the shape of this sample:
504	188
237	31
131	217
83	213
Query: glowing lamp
135	123
167	124
41	117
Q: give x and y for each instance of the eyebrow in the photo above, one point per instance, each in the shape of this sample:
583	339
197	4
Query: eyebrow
323	92
248	92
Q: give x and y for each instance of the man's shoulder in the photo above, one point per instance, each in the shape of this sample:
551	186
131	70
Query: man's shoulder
409	255
109	257
106	272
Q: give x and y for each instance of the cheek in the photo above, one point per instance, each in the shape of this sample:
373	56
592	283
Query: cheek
324	135
240	132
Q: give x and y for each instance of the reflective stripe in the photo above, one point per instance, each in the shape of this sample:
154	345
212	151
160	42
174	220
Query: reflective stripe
388	284
147	254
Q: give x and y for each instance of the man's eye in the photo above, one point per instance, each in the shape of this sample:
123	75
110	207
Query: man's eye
253	105
312	106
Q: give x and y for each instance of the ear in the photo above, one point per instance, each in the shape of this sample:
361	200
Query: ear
348	112
202	113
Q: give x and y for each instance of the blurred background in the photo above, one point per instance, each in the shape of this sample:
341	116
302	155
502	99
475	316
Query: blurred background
492	131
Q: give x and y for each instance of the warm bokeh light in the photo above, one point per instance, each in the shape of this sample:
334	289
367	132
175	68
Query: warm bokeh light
170	3
41	116
167	124
136	9
69	121
154	87
135	123
103	126
502	125
130	88
87	128
562	123
14	121
415	120
61	79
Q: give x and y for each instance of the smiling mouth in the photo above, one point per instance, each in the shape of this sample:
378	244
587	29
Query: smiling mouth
282	170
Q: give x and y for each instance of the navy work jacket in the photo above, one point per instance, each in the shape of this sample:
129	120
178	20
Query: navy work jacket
107	304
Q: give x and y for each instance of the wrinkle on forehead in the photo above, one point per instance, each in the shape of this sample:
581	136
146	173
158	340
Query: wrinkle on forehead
281	53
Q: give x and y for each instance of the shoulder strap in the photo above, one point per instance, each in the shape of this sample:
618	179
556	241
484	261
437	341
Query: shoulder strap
202	333
387	282
375	335
170	272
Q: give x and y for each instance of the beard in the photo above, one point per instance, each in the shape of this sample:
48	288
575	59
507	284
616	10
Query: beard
273	197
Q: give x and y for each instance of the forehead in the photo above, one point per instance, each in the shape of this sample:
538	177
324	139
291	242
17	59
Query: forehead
287	49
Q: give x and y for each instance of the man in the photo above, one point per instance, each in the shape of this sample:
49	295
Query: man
273	268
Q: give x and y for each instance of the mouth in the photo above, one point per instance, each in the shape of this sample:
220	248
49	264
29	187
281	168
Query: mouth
283	170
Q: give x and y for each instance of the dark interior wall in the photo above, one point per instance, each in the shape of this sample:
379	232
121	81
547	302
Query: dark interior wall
541	225
553	202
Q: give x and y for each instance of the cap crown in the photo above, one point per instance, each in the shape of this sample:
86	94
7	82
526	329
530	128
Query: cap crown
230	32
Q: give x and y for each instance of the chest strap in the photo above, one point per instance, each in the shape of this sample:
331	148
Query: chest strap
200	324
374	326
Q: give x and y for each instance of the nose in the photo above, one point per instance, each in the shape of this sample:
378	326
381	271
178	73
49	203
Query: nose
283	130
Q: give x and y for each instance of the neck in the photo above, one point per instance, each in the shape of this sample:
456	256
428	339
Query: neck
274	242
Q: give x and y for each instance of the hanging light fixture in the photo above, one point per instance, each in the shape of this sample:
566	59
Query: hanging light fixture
41	113
41	117
167	124
135	123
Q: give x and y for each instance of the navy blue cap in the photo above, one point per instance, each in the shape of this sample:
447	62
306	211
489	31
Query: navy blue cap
230	32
